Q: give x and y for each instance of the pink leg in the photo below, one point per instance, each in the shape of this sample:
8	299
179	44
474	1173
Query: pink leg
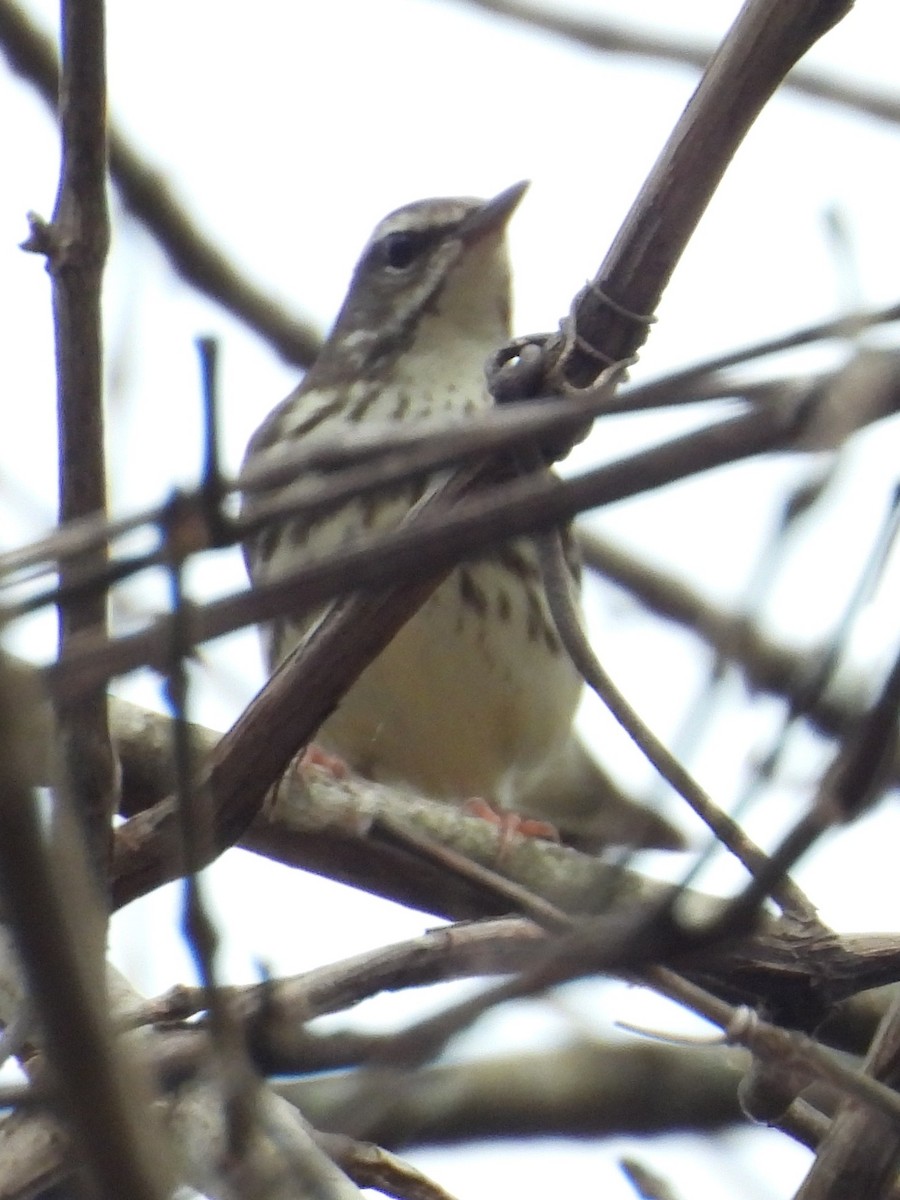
510	822
315	756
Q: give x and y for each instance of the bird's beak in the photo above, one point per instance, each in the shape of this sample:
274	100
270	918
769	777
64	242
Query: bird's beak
493	215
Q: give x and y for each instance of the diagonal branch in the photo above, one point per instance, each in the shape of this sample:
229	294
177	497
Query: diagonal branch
611	37
768	665
610	318
439	538
150	199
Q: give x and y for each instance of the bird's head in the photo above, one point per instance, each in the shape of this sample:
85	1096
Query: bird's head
437	265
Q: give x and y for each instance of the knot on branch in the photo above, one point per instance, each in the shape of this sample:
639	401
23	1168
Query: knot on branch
597	333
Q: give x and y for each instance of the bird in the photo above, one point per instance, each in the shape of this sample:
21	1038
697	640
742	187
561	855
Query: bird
475	697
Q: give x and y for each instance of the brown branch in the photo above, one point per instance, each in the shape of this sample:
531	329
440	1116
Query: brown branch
680	385
281	1160
75	245
286	714
59	928
56	915
390	452
149	198
766	39
595	33
435	542
587	1089
727	831
466	951
635	273
370	1166
647	1184
767	665
291	1001
281	1157
860	1154
274	1013
798	1059
277	724
321	824
799	975
323	472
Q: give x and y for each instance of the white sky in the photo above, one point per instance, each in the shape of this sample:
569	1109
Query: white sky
289	129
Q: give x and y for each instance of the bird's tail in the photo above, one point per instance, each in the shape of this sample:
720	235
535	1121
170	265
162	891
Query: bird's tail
589	809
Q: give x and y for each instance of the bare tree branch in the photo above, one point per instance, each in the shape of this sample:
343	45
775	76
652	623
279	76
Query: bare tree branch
599	917
322	824
149	198
590	1088
860	1154
59	927
767	665
436	541
75	245
612	37
370	1166
610	318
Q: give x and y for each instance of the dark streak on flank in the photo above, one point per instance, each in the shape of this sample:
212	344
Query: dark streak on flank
471	594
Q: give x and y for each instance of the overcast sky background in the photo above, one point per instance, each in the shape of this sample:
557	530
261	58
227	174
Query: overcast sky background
289	130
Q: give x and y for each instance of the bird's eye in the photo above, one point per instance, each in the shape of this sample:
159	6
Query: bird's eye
400	249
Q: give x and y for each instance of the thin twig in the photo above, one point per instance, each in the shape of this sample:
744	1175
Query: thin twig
421	450
194	816
854	782
812	683
656	393
360	461
646	1183
612	37
370	1166
799	1058
767	665
150	199
727	831
437	542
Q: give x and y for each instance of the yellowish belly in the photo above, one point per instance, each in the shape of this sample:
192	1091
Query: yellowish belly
473	691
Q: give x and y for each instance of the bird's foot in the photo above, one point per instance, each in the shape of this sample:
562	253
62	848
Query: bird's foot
509	823
316	756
